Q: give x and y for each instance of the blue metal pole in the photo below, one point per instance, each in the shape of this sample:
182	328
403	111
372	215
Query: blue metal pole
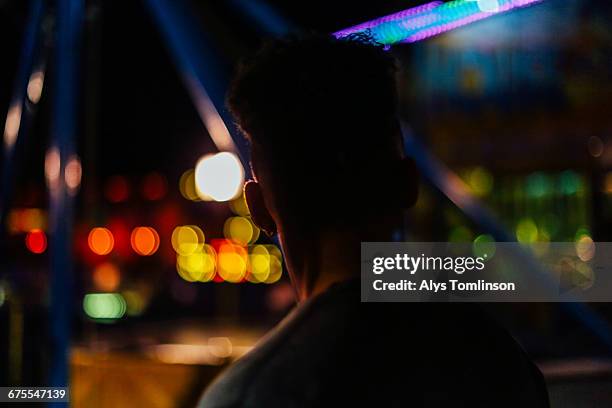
17	115
204	77
63	128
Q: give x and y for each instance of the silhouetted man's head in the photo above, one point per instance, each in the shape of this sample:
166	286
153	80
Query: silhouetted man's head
326	147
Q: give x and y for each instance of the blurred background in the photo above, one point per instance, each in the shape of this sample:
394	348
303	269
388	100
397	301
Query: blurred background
129	266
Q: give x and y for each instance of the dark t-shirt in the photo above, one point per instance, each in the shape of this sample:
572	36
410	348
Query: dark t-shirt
334	350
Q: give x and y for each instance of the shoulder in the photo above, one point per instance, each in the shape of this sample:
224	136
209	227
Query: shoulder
288	364
337	350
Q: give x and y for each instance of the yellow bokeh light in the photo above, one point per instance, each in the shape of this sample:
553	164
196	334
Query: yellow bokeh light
135	302
276	270
240	230
187	239
259	264
219	177
239	206
232	263
260	268
187	186
275	252
526	231
197	266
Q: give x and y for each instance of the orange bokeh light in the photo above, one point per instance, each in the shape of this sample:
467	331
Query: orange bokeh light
101	241
106	277
36	241
144	240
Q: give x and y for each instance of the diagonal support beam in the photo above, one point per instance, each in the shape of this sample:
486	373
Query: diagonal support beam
198	65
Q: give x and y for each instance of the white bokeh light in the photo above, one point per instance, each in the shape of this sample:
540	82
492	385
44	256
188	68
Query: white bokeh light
219	177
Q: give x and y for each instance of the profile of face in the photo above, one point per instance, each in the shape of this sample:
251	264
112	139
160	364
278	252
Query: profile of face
265	202
326	146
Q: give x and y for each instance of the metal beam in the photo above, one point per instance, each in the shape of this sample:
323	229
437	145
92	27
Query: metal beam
69	14
17	114
198	64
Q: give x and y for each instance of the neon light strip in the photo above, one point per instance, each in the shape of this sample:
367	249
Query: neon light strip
428	20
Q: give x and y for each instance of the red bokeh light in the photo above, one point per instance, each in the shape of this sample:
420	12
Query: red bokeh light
117	189
154	186
36	241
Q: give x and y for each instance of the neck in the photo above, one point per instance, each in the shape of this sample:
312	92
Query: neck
333	258
336	263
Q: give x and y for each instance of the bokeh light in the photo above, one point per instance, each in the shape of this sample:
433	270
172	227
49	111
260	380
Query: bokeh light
104	305
241	230
460	234
220	347
36	241
144	240
480	181
52	168
484	246
73	174
526	231
538	185
265	264
570	182
276	269
187	186
117	189
106	277
582	232
100	241
35	86
22	220
219	177
154	186
239	206
187	239
232	262
197	266
585	248
11	126
259	264
595	146
135	302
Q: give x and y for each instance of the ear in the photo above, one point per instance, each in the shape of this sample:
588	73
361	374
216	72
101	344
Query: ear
410	176
257	206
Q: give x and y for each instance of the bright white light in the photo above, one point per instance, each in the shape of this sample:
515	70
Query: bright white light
219	177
